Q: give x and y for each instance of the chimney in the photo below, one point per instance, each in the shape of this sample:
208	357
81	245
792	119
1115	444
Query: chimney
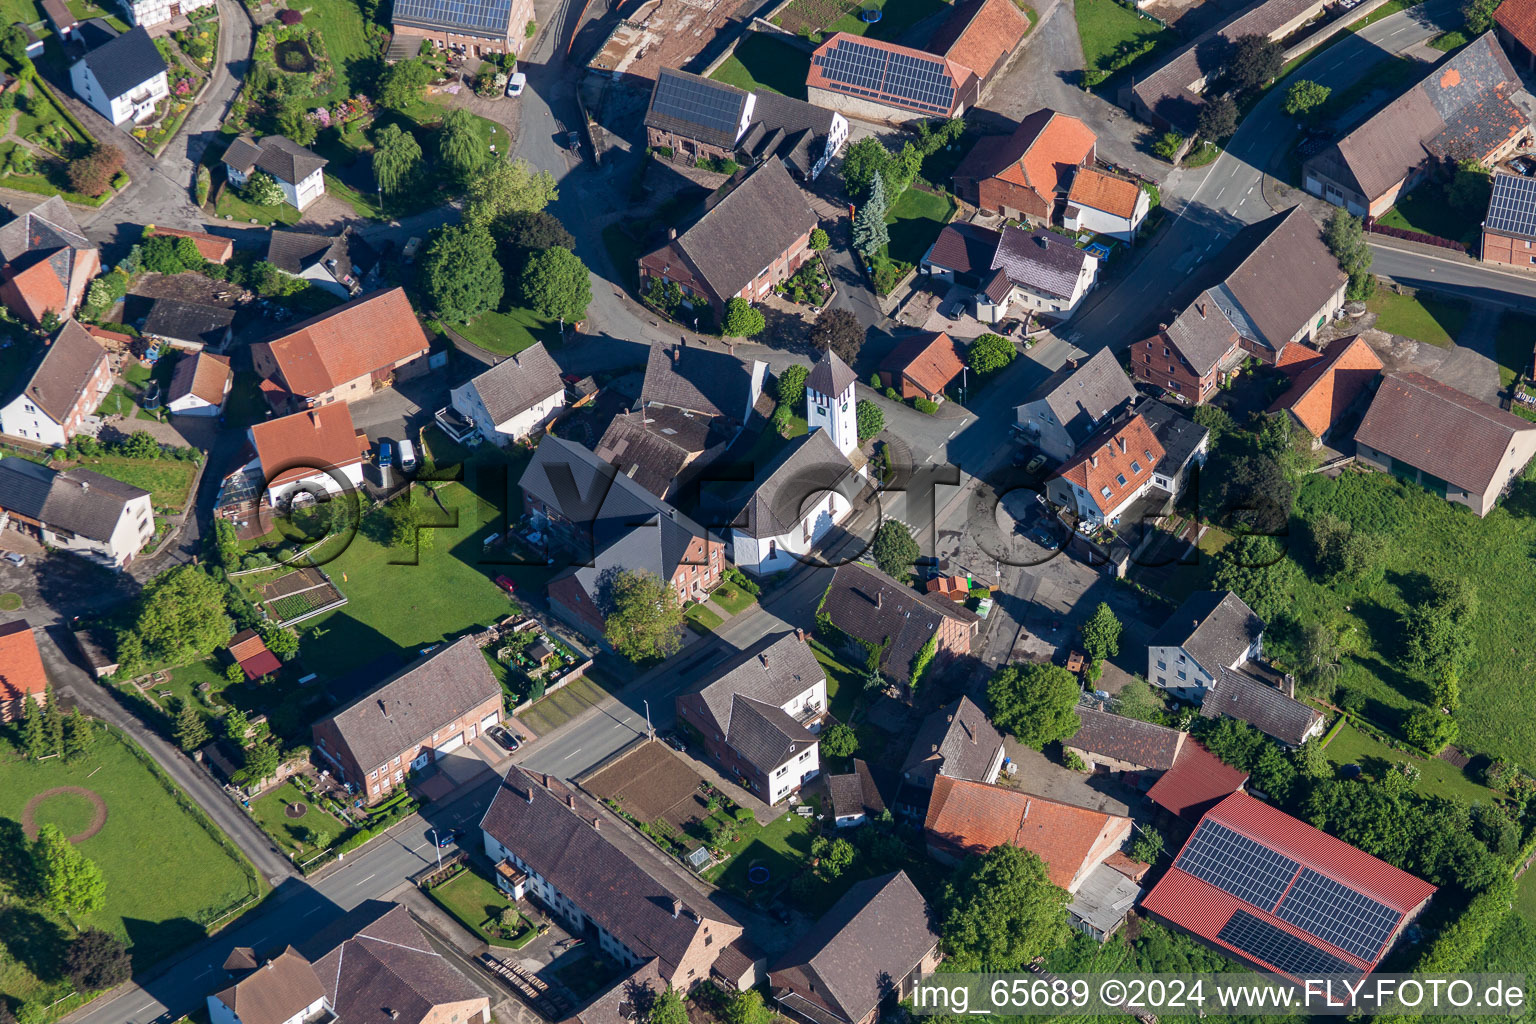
677	907
570	800
1045	242
1200	307
546	780
1073	364
597	823
1288	686
530	794
800	634
763	657
85	485
671	233
394	1014
675	353
267	965
879	599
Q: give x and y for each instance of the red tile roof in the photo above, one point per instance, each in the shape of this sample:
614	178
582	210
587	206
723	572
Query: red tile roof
1330	385
976	817
1099	191
298	446
250	651
1118	459
981	34
931	360
1203	909
1518	19
40	289
1197	781
21	667
212	247
350	341
1049	153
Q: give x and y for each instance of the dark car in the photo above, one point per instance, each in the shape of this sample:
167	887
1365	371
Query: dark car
1525	165
675	742
503	739
573	139
445	837
386	451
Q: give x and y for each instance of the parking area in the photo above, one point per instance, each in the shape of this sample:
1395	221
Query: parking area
451	771
50	587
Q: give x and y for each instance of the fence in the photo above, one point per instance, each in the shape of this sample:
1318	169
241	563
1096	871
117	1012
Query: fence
574	674
1414	236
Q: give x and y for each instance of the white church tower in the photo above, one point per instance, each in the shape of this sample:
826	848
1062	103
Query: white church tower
829	402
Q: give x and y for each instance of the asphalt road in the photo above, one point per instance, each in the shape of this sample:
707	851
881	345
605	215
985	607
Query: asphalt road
1474	281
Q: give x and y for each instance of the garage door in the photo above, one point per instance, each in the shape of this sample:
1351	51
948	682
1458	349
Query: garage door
450	745
488	721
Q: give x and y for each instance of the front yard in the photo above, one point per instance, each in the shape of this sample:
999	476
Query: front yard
1114	38
230	206
482	908
508	333
915	219
296	821
1422	316
168	481
1428	210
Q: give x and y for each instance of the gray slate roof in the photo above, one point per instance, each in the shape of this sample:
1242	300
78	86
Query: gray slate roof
296	251
964	248
957	740
1214	627
188	321
518	383
1202	335
1085	394
1282	274
830	376
280	157
1126	739
1239	695
658	545
868	605
1039	260
65	371
574	482
802	474
647	456
1104	897
78	500
868	942
1179	435
700	381
416	701
791	129
124	62
48	225
746	698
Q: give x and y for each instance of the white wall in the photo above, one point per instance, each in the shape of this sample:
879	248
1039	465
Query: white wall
153	12
117	109
791	775
1056	305
465	399
191	405
21	418
306	191
1103	223
751	554
318	482
1048	434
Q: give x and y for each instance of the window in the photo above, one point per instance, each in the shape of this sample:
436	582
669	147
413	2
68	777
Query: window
373	774
1135	466
399	776
1147	357
1161	681
1182	675
394	760
1165	350
1104	491
1120	479
1161	664
781	771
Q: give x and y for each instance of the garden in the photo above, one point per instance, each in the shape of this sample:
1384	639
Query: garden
49	152
815	18
811	285
485	910
763	62
1116	37
297	819
185	80
531	659
1420	315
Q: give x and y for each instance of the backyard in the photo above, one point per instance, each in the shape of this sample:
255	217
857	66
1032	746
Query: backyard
1429	211
916	218
169	872
1437	777
478	905
1422	316
1114	37
508	333
296	821
168	481
815	18
762	62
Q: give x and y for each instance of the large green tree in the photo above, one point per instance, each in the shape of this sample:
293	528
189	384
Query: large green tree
1037	703
1254	60
461	149
460	273
504	187
990	353
863	162
644	620
1305	96
556	284
396	159
894	550
1001	911
1257	570
742	319
868	418
1345	235
181	616
191	731
790	389
1479	15
1101	633
747	1008
401	85
1217	118
524	232
668	1009
839	331
870	234
1438	627
71	883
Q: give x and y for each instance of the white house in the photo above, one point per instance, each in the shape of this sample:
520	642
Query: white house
1109	472
78	510
122	75
282	990
1105	204
199	385
1211	631
514	398
317	451
297	171
152	12
1070	405
67	385
805	491
1036	272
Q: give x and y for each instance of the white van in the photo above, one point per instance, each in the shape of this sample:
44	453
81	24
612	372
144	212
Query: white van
407	456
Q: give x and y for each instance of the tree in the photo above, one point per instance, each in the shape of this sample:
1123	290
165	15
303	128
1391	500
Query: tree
78	734
1305	96
869	231
261	189
71	883
839	741
261	762
1437	627
644	620
1218	118
408	523
1344	554
1318	653
237	727
181	616
460	148
91	174
33	738
505	187
1249	491
1470	187
53	722
97	960
1257	570
13	45
1137	699
894	550
832	856
191	731
1310	761
460	273
1255	59
668	1009
1430	730
1101	634
294	122
528	231
742	320
990	353
1148	846
1168	145
401	85
1479	15
280	640
234	673
747	1008
161	256
862	163
227	543
869	418
791	385
819	239
839	331
1001	911
556	283
1037	703
396	159
203	185
1345	237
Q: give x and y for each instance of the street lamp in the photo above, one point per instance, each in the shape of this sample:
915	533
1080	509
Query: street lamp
649	732
438	844
964	380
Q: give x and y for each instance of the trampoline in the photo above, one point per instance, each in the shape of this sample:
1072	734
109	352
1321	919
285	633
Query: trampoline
870	15
758	875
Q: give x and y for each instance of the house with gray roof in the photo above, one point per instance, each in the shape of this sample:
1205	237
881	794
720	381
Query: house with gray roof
592	873
192	326
418	715
1123	744
342	264
870	948
485	29
792	505
297	171
756	712
46	262
1211	631
1029	272
514	398
63	386
873	610
78	510
1271	709
958	741
1073	403
122	75
1185	443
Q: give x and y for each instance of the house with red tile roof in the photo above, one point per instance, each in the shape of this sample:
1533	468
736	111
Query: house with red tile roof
1515	24
199	384
880	81
45	262
248	650
1198	781
1105	204
1445	440
923	365
1022	175
21	670
346	353
317	450
1110	471
1275	892
213	248
69	378
1328	387
981	35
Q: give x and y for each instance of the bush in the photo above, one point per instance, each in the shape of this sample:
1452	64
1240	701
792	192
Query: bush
1168	145
91	174
923	405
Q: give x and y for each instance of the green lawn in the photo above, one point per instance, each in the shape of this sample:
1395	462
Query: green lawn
294	835
1108	29
896	16
762	62
1437	777
782	846
1513	346
168	481
915	220
508	333
43	122
1525	896
167	875
475	902
85	10
732	598
1422	316
702	618
1427	210
231	207
341	26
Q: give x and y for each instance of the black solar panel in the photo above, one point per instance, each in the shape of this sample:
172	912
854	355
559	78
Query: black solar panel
1513	206
1279	948
899	77
697	101
487	15
1236	864
1338	914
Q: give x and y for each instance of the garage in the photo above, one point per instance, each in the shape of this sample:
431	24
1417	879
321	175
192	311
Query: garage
451	744
489	720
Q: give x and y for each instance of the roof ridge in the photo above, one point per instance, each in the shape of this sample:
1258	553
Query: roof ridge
1477	408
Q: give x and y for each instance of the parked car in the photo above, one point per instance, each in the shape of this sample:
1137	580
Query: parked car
1525	165
675	742
445	837
503	739
508	584
407	456
386	452
1035	464
573	139
409	252
516	83
15	559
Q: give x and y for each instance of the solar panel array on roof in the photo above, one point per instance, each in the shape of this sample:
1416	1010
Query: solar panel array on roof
900	78
696	101
1236	864
484	15
1513	206
1338	914
1279	948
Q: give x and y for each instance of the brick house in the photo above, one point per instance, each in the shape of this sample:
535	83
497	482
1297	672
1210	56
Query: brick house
696	118
1330	386
892	83
346	353
923	366
1022	175
426	710
1509	230
67	384
871	608
475	30
1110	742
45	262
744	244
1101	484
21	670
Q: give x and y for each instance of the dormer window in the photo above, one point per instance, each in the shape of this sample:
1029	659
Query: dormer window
1120	479
1104	491
1135	467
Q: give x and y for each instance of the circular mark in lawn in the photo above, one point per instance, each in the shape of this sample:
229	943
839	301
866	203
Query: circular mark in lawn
293	55
758	875
10	602
295	810
29	813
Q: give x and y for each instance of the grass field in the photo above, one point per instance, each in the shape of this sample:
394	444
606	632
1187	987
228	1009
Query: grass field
508	333
1437	777
1513	346
1107	28
915	220
702	618
782	846
732	598
896	16
1428	210
1422	316
167	876
168	481
1525	896
294	834
762	62
474	901
231	206
341	26
563	705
